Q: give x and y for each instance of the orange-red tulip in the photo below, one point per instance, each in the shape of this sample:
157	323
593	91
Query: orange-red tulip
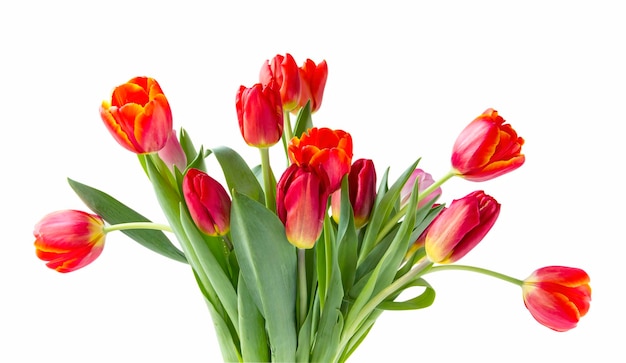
557	296
487	148
138	115
69	239
328	151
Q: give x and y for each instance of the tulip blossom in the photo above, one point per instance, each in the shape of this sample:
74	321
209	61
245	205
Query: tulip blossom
69	239
362	192
313	81
557	296
260	114
487	148
328	151
208	202
172	153
424	180
138	115
460	227
301	204
285	72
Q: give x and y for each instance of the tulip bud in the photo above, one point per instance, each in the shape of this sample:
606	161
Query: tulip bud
301	204
69	239
285	72
362	192
208	202
460	227
260	114
138	115
557	296
487	148
424	180
172	153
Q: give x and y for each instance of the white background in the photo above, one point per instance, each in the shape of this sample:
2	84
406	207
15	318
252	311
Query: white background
404	79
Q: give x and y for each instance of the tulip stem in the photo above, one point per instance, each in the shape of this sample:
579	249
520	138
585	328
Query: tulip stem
270	192
478	270
302	286
137	225
426	192
287	128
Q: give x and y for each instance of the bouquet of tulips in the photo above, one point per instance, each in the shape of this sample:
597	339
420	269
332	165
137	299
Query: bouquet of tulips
298	266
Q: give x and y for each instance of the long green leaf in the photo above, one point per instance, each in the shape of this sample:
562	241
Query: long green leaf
114	212
252	327
238	174
423	300
268	263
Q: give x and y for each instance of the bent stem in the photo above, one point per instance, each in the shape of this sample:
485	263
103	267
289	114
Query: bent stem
480	270
137	225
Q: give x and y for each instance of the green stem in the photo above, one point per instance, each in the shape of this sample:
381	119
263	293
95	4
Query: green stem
426	192
287	127
419	269
270	192
137	225
302	286
480	270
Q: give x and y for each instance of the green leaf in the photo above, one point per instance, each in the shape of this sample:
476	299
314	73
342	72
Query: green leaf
347	239
253	338
114	212
304	120
268	262
238	174
423	300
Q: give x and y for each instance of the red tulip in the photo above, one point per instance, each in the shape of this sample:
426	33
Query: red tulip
328	151
69	239
487	148
301	203
138	115
260	114
557	296
172	153
208	202
313	81
362	191
285	72
460	227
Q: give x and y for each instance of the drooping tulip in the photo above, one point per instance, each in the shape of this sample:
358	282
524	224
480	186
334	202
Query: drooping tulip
208	202
260	114
557	296
487	148
138	115
69	239
460	227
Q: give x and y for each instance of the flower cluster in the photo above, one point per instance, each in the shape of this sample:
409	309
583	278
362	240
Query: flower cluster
298	268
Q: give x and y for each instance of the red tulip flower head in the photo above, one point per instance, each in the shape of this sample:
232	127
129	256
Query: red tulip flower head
208	202
362	192
138	115
285	72
487	148
460	227
260	114
313	81
301	204
172	153
328	151
557	296
69	239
